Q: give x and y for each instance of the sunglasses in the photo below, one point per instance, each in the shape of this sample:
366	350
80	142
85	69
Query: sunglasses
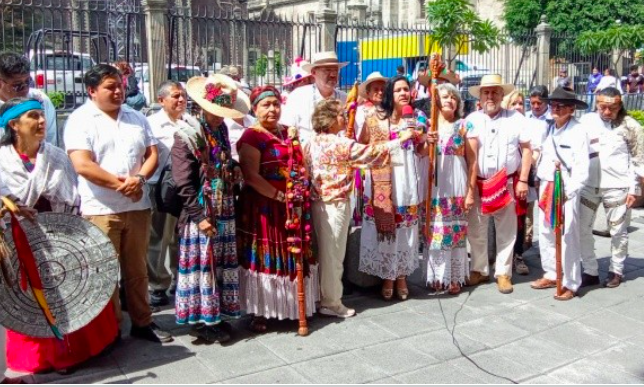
18	87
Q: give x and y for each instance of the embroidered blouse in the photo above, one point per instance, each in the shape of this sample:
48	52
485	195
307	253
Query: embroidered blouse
332	160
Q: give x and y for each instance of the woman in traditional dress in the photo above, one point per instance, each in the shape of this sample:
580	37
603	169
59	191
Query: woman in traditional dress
389	239
204	172
446	249
331	160
268	270
41	176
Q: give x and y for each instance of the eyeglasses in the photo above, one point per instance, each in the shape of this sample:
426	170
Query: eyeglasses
18	87
556	106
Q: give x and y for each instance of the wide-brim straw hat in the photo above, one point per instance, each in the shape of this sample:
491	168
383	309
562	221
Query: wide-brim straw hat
298	74
566	96
218	94
373	77
324	58
491	80
450	77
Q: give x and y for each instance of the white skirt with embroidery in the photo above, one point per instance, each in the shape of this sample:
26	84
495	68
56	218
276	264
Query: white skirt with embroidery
273	296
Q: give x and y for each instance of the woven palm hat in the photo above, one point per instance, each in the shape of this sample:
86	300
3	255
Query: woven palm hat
324	58
491	80
218	94
373	77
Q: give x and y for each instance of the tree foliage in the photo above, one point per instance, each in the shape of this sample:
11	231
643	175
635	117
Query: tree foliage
450	20
618	37
570	16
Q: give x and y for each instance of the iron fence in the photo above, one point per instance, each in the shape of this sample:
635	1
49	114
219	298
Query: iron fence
64	38
261	48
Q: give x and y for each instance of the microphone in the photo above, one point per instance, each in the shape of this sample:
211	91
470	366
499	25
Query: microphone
410	121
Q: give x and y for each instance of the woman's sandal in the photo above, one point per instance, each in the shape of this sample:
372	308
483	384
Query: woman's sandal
258	324
387	293
454	289
402	293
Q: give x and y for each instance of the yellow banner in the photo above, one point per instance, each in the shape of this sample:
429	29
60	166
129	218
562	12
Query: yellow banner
407	46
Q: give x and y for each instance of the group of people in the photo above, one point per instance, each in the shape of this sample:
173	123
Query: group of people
258	181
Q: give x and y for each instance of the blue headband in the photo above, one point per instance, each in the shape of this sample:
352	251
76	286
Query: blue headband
265	94
18	110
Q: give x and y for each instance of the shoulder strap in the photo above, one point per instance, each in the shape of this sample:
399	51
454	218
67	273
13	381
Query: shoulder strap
554	146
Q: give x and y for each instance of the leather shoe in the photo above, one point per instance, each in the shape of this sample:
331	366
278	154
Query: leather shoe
476	278
159	298
543	283
589	280
504	284
151	333
613	280
566	295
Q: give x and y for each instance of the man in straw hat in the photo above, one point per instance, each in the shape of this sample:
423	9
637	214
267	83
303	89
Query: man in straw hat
502	154
566	146
114	152
616	144
298	110
370	92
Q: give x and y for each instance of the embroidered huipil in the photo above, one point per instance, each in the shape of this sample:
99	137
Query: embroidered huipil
616	154
331	160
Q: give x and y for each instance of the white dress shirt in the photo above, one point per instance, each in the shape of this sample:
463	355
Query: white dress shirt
299	107
572	153
499	140
118	147
616	154
163	130
235	132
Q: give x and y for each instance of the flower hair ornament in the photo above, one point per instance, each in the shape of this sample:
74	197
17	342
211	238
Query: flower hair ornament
218	95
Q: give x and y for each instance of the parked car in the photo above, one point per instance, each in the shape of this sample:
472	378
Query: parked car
55	66
178	73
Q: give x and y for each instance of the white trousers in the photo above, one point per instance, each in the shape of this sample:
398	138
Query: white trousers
331	221
570	245
505	223
614	201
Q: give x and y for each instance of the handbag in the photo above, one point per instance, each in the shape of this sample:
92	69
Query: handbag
494	193
166	194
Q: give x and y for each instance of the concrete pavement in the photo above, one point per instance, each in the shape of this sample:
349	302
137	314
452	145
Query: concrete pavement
480	336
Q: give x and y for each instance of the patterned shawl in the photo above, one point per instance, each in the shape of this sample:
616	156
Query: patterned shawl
383	206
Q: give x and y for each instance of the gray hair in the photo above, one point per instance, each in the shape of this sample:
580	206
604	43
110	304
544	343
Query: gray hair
166	86
453	91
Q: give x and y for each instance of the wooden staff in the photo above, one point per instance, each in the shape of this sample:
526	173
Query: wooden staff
436	67
352	108
559	225
295	209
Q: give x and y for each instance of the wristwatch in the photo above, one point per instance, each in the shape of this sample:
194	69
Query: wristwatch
141	178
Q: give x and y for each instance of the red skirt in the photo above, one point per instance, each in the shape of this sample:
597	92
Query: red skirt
34	354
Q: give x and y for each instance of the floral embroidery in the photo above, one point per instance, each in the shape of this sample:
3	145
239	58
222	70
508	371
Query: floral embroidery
449	225
406	216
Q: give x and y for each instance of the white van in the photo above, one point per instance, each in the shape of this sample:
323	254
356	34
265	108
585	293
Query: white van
60	71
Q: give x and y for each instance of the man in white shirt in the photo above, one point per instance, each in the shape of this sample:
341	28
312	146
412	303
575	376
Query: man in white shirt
114	152
299	106
567	147
616	145
501	148
539	109
14	83
163	239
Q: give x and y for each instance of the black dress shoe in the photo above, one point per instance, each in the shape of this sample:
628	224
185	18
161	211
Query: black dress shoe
613	280
159	298
589	280
151	333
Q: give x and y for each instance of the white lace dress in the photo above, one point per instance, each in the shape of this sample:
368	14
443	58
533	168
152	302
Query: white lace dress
446	253
389	259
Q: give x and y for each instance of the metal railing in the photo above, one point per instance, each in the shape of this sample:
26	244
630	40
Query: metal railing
64	38
261	48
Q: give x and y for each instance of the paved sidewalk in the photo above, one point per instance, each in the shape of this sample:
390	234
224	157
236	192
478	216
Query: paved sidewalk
479	336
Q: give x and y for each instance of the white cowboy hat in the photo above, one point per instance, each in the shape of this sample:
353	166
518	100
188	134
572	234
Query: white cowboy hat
373	77
219	95
324	58
491	80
